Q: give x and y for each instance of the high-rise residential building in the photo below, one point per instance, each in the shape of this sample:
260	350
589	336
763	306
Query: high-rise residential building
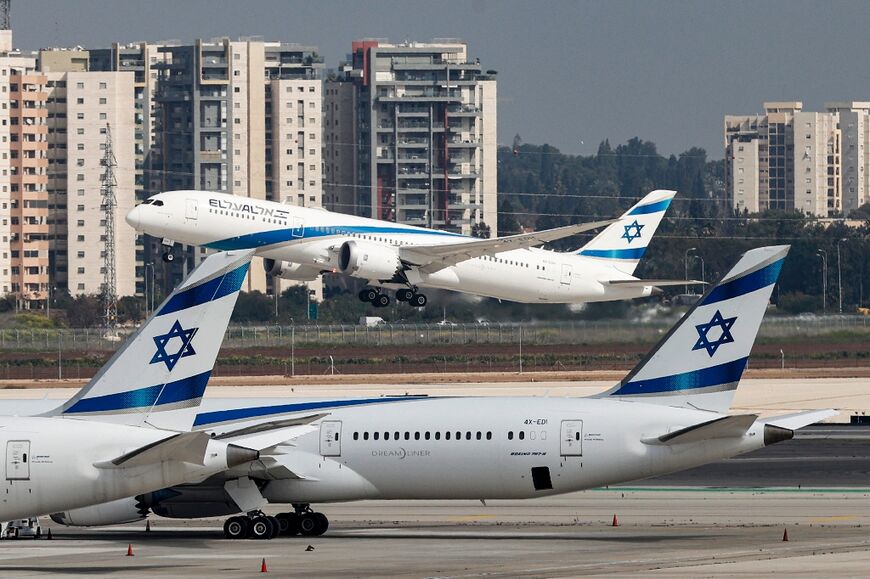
794	160
411	135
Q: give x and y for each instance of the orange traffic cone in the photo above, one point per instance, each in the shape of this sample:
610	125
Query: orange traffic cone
263	568
615	522
130	550
785	535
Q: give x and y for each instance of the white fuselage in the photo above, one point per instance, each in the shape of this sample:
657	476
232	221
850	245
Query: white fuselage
50	464
313	237
482	448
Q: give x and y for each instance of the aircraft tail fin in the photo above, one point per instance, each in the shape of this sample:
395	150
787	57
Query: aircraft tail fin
624	242
161	371
698	364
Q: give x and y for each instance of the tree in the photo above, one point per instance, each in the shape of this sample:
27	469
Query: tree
481	230
85	311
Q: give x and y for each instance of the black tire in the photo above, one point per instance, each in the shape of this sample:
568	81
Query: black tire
418	300
382	301
309	524
370	295
261	528
363	295
288	524
168	257
276	526
237	528
404	295
323	523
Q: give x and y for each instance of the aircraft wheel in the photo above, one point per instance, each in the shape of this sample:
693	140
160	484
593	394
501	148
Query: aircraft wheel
236	528
276	526
381	301
288	524
261	528
309	525
404	295
323	523
418	300
168	257
368	295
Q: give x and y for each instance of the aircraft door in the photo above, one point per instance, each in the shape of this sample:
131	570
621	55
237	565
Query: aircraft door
192	210
566	274
18	460
571	438
330	438
298	227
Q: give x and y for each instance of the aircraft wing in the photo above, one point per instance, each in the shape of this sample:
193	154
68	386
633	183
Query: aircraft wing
186	447
723	427
267	435
431	258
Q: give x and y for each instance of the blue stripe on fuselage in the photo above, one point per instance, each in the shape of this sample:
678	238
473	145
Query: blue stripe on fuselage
727	373
190	388
633	253
264	238
745	284
651	207
238	414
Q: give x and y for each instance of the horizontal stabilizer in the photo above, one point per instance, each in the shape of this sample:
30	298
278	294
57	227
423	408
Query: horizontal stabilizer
185	447
724	427
800	419
435	257
653	282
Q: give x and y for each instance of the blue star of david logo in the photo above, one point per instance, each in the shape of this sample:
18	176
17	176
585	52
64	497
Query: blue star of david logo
632	236
184	350
724	324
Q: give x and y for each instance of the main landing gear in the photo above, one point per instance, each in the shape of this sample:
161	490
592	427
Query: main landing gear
303	521
168	256
381	300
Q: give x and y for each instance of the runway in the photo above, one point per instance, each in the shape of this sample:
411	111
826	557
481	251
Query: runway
724	519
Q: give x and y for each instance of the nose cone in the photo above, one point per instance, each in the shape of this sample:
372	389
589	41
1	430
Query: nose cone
134	217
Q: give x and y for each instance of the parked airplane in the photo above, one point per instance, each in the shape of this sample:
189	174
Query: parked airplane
669	413
300	243
129	430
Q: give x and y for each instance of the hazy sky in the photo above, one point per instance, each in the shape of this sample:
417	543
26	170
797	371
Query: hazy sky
571	73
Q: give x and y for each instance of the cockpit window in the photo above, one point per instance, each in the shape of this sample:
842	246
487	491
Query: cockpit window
158	203
148	202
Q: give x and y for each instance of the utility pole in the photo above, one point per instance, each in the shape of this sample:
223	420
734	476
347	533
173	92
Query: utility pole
107	192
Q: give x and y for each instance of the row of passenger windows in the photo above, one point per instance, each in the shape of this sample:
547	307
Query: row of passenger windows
449	435
246	216
511	262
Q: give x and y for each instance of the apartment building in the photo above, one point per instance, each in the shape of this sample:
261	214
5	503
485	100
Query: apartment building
795	160
423	148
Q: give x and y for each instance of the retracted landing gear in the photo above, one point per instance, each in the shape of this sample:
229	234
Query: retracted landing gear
303	521
168	256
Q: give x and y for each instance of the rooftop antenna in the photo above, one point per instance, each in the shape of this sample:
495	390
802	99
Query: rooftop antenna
107	192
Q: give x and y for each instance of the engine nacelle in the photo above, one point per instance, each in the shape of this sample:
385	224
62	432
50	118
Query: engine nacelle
368	260
113	513
290	270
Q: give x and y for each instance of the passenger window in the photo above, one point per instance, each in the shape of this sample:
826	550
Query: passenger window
447	435
396	435
365	435
376	435
437	436
510	435
468	435
522	435
356	435
576	436
458	435
427	435
386	436
489	435
416	436
407	435
479	436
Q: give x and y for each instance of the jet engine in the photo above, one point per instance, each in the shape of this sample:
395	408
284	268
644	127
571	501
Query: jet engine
368	260
290	270
114	513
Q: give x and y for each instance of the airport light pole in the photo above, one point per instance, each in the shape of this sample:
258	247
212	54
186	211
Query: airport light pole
703	277
149	289
686	266
824	255
839	276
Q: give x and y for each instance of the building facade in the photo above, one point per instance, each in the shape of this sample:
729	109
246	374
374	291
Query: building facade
412	136
794	160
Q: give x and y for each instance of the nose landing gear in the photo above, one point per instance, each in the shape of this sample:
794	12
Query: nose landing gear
168	256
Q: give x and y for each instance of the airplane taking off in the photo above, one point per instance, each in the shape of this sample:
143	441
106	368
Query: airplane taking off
129	430
669	413
300	243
